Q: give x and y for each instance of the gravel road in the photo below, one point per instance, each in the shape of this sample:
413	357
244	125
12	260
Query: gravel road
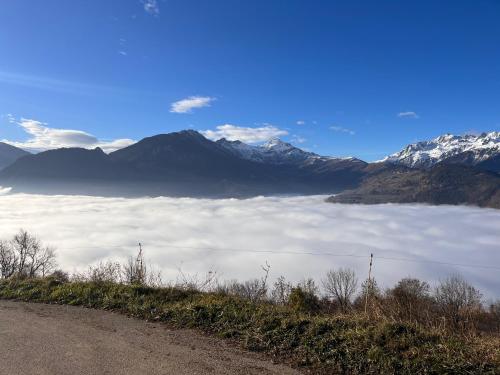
48	339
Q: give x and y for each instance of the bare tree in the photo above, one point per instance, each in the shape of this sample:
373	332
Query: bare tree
41	261
205	283
25	256
250	289
457	299
8	260
108	272
281	291
263	280
341	285
253	290
494	311
135	272
309	286
24	244
409	300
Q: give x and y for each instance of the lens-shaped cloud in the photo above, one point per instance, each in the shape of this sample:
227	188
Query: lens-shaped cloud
42	137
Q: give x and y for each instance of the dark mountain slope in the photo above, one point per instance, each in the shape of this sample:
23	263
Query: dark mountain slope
442	184
64	163
186	154
9	154
182	163
491	164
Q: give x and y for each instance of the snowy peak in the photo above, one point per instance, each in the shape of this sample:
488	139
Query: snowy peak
467	149
274	151
278	145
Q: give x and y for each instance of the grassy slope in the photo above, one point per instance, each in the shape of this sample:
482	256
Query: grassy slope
320	343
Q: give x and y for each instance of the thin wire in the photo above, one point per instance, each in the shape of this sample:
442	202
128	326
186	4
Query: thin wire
281	252
438	262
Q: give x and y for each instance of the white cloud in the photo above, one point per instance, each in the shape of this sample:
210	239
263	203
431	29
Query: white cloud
43	137
244	134
299	139
151	7
342	130
86	230
188	104
301	122
123	53
408	115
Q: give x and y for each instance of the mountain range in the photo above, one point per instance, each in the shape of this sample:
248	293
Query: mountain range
481	150
449	169
183	163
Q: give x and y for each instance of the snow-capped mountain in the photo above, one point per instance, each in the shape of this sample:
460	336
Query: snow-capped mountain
275	151
467	149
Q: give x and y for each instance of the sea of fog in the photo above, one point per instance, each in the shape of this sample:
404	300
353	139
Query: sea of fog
235	237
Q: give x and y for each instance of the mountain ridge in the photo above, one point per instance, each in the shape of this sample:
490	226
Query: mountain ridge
176	162
9	154
441	184
467	149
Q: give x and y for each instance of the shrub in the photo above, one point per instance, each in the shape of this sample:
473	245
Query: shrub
304	301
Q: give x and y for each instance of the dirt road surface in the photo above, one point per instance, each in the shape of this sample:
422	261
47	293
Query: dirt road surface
47	339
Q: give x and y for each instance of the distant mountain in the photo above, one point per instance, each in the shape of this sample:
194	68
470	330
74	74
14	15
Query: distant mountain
473	150
9	154
441	184
67	163
184	163
340	172
446	170
274	151
184	154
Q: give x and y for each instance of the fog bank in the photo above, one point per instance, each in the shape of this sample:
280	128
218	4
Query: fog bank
198	235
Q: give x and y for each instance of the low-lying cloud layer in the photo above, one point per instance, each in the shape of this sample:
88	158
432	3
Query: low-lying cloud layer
199	235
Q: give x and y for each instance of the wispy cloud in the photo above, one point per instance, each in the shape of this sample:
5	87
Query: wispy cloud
63	86
151	7
298	139
342	130
123	45
43	137
300	122
187	105
408	114
244	134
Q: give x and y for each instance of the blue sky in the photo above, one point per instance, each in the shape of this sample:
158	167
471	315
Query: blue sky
360	78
